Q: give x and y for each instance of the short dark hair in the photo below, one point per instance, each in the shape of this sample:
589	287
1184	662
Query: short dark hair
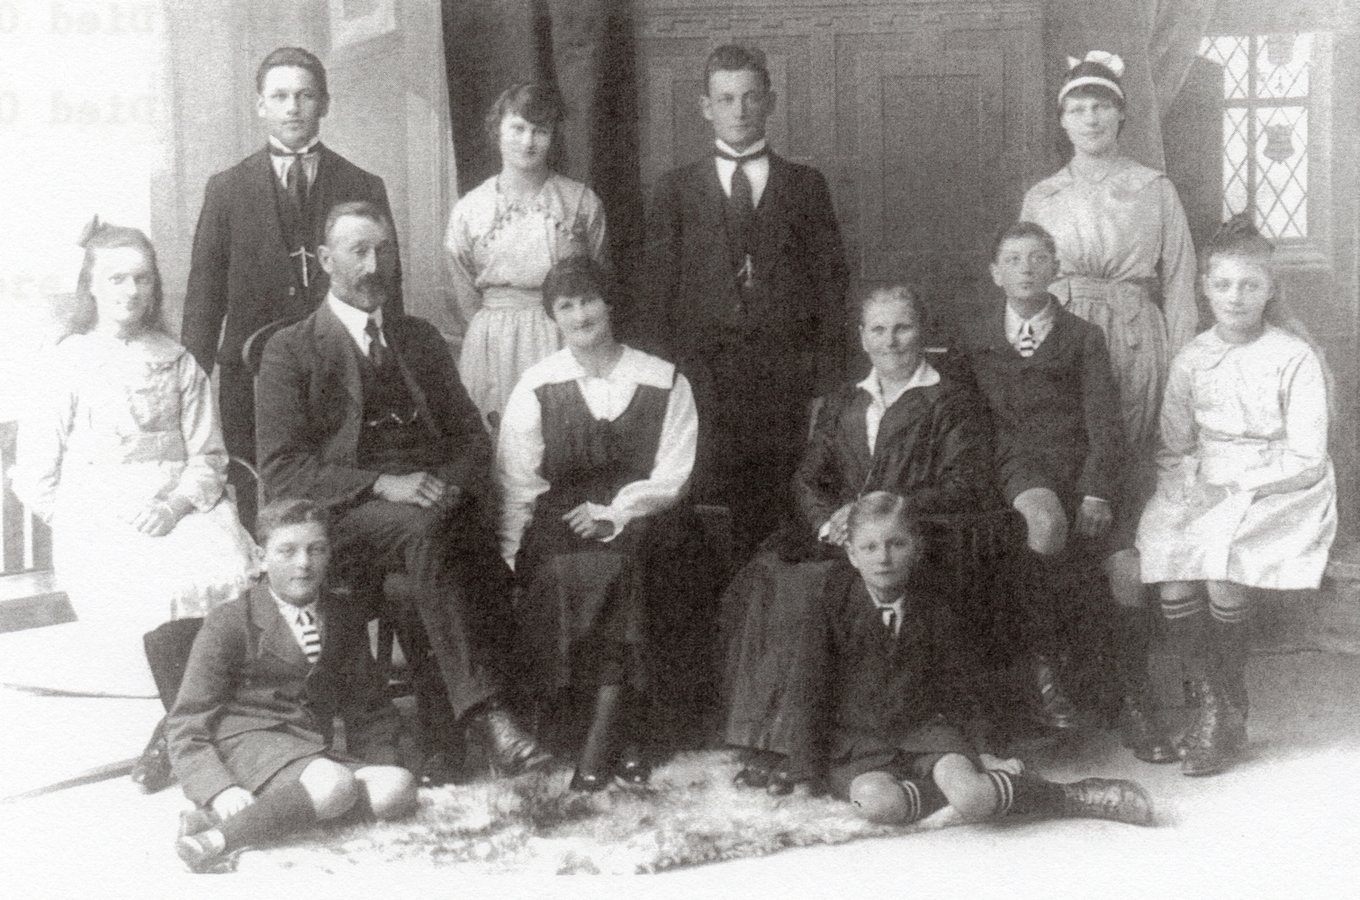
736	58
575	276
903	293
537	104
292	56
103	236
290	511
876	506
363	209
1023	229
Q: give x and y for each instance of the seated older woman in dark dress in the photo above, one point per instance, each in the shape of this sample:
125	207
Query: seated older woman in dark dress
594	456
908	428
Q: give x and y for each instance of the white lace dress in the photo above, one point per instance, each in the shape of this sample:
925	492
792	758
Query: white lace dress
122	423
500	252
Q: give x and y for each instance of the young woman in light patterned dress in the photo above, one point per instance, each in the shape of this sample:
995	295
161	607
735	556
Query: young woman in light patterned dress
503	237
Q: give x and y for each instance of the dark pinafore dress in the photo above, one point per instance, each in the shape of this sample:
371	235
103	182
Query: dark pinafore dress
583	613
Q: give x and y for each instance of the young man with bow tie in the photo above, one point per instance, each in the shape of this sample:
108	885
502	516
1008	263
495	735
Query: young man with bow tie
251	730
745	280
254	255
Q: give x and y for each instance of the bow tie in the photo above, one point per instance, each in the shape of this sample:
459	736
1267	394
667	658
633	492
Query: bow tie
295	154
758	154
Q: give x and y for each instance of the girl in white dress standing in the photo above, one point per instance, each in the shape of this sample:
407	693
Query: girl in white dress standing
1246	494
503	237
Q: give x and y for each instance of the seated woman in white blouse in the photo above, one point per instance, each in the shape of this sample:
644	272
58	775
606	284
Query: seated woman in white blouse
594	454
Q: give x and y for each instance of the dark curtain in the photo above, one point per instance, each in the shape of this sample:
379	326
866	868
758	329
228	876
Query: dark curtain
585	48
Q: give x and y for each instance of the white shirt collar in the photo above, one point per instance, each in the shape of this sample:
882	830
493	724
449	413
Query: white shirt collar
633	366
291	611
354	319
742	154
309	148
924	376
1041	322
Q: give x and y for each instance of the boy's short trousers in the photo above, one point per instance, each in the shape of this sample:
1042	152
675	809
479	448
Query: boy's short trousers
913	755
254	758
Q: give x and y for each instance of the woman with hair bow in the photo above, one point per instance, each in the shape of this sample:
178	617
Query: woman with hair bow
1126	264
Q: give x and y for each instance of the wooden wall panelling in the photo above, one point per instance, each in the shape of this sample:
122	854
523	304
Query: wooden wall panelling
924	117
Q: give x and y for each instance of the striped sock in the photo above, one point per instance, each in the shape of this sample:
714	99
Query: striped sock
1005	790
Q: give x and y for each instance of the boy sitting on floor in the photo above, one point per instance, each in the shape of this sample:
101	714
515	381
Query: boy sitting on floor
251	729
879	674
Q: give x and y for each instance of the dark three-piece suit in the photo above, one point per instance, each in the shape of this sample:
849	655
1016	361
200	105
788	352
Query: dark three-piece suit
331	422
758	341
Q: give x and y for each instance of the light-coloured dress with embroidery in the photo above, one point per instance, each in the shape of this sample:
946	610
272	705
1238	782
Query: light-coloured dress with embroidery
123	423
1127	264
1245	489
500	253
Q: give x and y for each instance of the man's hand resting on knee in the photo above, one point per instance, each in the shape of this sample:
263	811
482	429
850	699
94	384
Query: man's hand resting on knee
419	489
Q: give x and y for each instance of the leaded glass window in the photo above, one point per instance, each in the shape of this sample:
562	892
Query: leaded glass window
1266	99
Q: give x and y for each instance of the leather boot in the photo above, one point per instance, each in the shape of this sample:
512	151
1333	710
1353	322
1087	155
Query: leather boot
1051	708
1140	730
1107	798
1217	737
509	749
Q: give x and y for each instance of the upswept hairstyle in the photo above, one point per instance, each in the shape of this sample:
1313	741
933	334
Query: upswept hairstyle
1023	229
735	58
292	56
877	506
575	276
903	293
294	511
537	104
99	236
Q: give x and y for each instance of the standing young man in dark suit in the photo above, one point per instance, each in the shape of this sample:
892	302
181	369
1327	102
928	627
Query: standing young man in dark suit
254	258
361	410
745	285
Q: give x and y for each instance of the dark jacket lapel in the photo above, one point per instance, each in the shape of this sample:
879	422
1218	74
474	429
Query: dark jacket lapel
338	352
264	197
275	636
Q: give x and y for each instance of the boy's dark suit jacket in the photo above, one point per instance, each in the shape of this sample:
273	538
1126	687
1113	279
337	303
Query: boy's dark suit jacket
1056	414
311	409
859	689
241	276
691	285
247	673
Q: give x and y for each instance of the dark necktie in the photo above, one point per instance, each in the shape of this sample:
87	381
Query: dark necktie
311	638
295	176
377	353
742	196
889	618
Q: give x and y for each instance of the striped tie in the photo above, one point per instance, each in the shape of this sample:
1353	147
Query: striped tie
311	638
1026	344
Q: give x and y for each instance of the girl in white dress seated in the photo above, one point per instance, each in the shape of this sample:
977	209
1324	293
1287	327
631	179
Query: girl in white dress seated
122	455
1246	494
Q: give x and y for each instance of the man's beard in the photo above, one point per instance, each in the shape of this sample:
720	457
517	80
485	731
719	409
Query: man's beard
375	290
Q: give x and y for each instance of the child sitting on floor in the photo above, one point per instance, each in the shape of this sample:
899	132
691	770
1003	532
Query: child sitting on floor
881	672
1246	494
251	729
